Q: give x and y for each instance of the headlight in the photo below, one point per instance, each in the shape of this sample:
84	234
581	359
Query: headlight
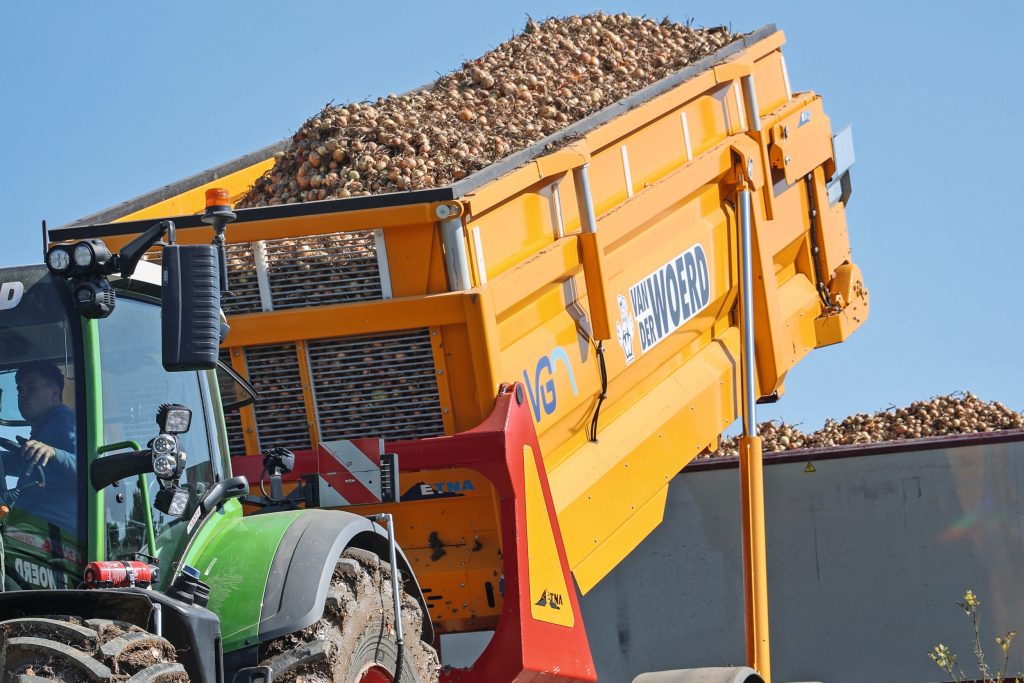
164	466
173	418
164	443
83	255
58	260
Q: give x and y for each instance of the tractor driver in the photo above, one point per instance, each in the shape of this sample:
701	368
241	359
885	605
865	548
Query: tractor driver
51	442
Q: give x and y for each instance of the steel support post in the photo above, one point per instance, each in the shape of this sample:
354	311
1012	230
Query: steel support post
755	571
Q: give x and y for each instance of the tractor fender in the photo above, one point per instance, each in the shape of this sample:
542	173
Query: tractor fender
300	574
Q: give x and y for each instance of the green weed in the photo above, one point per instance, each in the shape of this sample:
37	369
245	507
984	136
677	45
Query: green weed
946	660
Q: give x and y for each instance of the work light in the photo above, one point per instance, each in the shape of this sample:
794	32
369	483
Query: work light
58	260
173	418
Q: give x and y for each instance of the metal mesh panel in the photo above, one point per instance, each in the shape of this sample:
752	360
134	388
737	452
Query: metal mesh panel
233	418
379	385
323	269
281	409
241	281
245	289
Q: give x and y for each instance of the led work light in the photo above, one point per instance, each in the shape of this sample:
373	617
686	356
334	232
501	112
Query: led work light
173	418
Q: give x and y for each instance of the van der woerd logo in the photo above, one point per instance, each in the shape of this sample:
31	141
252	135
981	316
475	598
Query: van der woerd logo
666	299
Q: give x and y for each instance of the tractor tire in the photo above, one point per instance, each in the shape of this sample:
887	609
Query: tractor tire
66	648
355	640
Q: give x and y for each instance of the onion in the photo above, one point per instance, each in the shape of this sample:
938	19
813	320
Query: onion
939	416
551	75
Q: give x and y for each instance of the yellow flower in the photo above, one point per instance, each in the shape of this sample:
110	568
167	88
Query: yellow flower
943	657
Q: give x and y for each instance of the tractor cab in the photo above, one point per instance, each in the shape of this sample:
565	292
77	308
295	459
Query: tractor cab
80	394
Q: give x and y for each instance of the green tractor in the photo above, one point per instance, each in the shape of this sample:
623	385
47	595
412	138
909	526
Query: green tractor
125	554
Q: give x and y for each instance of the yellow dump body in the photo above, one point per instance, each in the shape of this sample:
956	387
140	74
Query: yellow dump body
389	332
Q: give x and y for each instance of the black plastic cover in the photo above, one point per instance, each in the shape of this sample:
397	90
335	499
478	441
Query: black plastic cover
191	307
300	574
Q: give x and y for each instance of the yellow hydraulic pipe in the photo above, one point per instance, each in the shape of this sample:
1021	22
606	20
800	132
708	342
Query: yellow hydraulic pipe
755	576
755	570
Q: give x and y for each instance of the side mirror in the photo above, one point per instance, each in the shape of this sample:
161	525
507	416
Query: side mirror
190	318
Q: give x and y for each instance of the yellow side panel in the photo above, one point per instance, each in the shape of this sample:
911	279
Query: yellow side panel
415	261
707	121
654	150
624	539
603	485
769	74
548	590
194	200
514	231
607	179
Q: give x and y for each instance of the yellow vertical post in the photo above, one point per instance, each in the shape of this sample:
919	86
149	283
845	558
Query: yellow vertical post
247	414
755	570
755	574
306	377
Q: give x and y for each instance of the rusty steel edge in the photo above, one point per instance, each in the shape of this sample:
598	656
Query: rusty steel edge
928	443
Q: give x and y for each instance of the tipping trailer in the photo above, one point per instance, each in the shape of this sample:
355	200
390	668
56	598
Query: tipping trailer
516	365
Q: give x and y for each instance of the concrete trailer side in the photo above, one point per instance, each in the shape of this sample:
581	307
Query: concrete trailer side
869	549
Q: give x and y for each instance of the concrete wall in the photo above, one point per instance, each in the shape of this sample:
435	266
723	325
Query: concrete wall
867	555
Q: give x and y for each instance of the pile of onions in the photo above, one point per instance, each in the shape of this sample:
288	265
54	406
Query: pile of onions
940	416
552	74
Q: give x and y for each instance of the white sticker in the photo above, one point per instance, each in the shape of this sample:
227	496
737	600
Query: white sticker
10	294
672	295
624	329
192	522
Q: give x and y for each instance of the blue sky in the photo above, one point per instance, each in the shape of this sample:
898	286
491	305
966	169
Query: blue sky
102	101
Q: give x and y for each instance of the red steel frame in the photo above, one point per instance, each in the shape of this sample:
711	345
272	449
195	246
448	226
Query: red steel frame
522	649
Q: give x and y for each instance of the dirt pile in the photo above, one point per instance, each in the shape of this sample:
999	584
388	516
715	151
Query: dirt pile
552	74
943	415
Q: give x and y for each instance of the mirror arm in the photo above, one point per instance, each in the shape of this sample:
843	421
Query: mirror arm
116	466
128	258
234	487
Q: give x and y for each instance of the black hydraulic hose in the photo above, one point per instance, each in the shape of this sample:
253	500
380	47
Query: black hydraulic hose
812	218
604	391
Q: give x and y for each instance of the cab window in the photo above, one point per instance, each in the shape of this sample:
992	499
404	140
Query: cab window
135	384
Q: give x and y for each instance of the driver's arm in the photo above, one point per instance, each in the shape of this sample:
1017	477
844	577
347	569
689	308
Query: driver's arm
37	452
53	445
